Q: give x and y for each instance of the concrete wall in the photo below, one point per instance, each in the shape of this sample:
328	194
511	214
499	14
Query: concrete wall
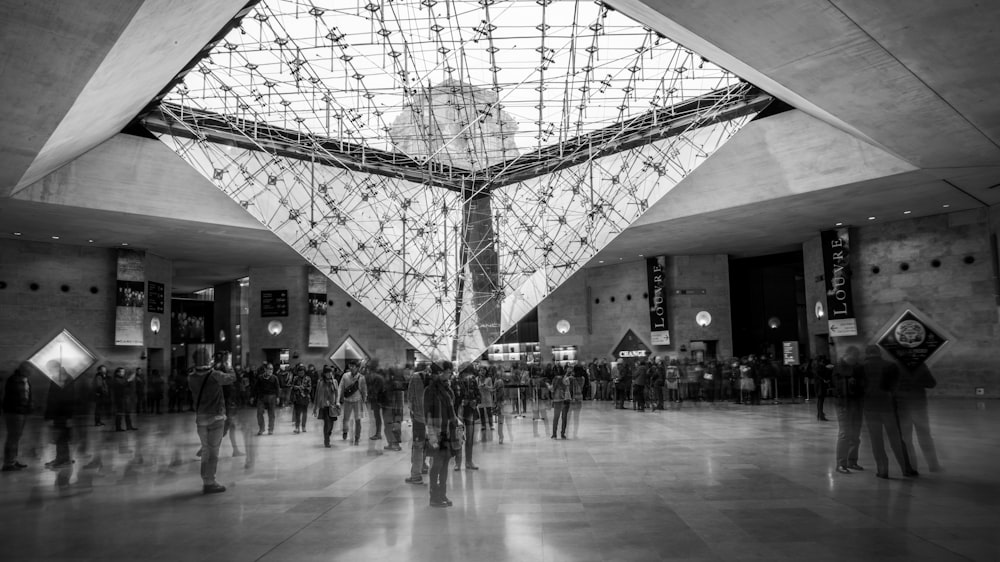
959	297
603	303
30	318
345	317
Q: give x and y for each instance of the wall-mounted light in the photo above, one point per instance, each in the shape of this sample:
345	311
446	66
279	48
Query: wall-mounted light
563	326
222	335
274	327
818	310
154	325
703	318
774	322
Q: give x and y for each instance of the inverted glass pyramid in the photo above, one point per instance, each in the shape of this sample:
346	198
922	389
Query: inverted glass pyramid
449	164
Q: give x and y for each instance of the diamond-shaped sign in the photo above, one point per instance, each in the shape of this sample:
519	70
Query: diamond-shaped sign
911	340
63	358
348	352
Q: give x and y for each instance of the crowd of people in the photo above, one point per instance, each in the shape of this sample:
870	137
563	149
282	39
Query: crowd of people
445	404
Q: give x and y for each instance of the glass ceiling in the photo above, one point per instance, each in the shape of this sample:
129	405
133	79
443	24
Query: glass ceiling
550	126
349	70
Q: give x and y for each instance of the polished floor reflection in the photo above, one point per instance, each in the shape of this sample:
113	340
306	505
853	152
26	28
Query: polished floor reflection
696	482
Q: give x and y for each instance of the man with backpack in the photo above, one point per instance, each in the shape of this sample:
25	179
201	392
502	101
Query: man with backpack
353	395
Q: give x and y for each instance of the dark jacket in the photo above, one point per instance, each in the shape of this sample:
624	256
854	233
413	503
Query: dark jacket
641	375
439	413
849	381
17	395
881	379
267	385
206	389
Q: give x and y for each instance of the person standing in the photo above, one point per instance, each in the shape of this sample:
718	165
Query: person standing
849	382
672	377
266	390
657	381
376	396
210	417
301	393
155	397
60	407
466	393
500	398
823	375
17	404
140	392
442	433
392	408
484	380
415	396
881	379
559	388
913	416
102	395
639	385
123	399
325	404
353	395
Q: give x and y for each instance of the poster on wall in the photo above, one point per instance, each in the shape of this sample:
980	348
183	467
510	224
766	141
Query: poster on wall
130	298
659	332
273	303
156	297
192	321
317	310
631	348
911	340
837	280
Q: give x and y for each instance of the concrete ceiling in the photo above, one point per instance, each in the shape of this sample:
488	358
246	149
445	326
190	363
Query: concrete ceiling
73	74
894	99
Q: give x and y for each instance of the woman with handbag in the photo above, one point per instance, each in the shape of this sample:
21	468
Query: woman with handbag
325	406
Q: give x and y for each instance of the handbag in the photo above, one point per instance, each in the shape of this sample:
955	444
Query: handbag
458	437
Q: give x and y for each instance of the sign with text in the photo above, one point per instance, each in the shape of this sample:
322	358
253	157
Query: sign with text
837	274
273	303
790	352
318	336
156	299
659	331
631	347
911	340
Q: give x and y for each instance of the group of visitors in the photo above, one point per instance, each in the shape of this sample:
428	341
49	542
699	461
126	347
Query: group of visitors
891	402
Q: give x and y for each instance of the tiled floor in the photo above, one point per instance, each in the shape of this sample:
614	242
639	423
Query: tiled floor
697	482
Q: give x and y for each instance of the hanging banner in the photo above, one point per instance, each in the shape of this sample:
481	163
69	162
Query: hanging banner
911	340
837	279
659	332
317	310
130	298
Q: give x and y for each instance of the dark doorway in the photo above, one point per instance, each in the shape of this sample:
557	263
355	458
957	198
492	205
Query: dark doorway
768	303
